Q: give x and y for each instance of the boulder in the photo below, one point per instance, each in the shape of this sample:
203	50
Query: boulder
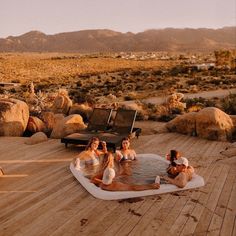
49	120
210	123
61	104
68	125
14	115
38	137
184	124
174	102
35	125
233	118
214	124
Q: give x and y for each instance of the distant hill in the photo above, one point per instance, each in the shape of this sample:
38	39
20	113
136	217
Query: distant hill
102	40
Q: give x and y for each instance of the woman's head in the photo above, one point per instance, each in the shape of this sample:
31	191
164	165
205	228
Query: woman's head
125	143
93	143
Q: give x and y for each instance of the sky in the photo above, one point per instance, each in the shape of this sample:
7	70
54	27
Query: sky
54	16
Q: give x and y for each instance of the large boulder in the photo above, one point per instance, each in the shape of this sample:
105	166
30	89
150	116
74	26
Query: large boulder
233	118
214	124
184	124
14	115
210	123
35	125
49	119
38	137
68	125
62	104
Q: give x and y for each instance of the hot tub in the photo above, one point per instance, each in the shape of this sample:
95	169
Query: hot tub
140	175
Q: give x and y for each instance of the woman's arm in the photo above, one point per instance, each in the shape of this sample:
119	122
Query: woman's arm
180	180
134	154
104	149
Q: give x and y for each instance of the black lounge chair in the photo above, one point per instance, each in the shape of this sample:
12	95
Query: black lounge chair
98	122
123	126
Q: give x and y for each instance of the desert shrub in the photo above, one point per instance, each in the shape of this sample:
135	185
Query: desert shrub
41	86
166	118
157	72
200	102
136	73
215	81
228	104
15	81
79	84
176	110
2	90
80	97
149	86
193	82
128	98
12	90
178	70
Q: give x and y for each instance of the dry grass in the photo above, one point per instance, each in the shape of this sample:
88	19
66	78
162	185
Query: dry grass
62	68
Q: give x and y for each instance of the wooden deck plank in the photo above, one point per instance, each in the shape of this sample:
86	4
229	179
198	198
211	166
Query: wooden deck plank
185	213
219	213
40	212
203	210
230	215
9	217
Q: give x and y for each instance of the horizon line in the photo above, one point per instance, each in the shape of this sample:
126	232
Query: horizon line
124	32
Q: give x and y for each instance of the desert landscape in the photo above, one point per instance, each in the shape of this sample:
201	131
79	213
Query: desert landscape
37	187
84	86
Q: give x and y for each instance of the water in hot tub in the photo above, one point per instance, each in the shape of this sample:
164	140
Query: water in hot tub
142	171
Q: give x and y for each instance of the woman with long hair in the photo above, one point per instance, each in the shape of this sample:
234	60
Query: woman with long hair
172	157
91	155
126	153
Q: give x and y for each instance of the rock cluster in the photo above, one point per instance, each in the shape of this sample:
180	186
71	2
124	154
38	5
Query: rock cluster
15	119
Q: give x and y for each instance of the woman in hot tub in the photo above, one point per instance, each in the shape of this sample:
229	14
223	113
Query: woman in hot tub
125	153
91	155
124	156
105	179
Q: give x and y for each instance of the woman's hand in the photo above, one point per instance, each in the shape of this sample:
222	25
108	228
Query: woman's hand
165	178
104	144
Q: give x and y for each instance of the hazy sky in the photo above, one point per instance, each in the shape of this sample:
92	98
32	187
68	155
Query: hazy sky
54	16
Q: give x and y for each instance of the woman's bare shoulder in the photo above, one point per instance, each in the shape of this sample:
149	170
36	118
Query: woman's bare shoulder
83	155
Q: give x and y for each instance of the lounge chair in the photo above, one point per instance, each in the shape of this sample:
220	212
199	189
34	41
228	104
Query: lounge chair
122	126
98	122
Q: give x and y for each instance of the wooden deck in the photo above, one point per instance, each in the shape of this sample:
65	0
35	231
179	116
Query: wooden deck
43	198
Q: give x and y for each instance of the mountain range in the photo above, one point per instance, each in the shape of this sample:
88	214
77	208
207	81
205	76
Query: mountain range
103	40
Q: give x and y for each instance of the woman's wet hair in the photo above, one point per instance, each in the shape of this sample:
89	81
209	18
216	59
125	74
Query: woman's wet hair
173	156
92	140
108	157
124	139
